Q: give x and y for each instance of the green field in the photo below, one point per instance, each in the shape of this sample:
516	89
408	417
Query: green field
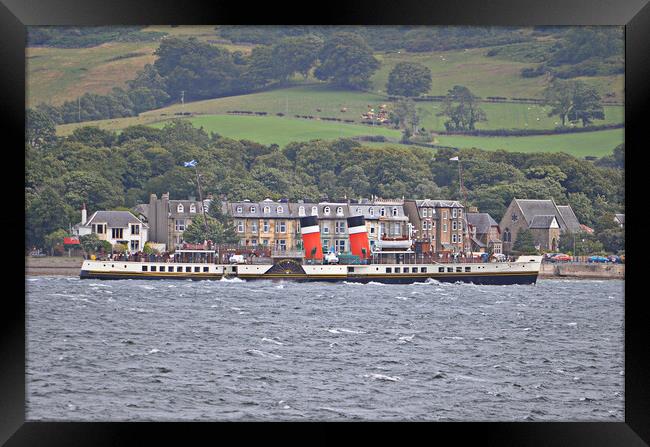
485	76
596	144
280	131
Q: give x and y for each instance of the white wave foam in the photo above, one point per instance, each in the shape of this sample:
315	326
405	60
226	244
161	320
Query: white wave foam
224	279
338	330
383	377
270	340
403	298
153	351
373	283
572	324
407	338
352	283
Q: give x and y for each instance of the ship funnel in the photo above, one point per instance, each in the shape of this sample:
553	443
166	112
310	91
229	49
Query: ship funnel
359	245
311	237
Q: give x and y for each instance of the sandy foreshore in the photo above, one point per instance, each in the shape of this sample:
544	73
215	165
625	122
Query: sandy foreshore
52	265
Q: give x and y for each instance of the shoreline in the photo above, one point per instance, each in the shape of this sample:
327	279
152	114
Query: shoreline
63	266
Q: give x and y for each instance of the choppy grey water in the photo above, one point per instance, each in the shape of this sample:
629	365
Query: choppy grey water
233	350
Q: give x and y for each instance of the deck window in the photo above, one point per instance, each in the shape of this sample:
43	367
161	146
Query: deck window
441	269
206	269
162	268
153	268
188	269
450	270
397	270
423	269
459	269
468	269
389	270
350	269
197	269
145	268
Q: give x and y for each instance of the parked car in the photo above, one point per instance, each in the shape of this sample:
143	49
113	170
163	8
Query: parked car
548	256
600	259
614	259
560	257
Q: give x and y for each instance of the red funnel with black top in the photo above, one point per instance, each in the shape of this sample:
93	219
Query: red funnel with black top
311	237
359	244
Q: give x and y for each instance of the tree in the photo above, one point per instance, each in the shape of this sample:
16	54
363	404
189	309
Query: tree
228	235
262	67
462	109
90	243
46	213
525	243
40	130
405	115
54	239
295	54
198	232
587	105
574	101
347	61
409	79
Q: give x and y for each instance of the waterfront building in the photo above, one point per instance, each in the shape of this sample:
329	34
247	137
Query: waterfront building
270	224
546	220
116	227
484	233
439	226
168	219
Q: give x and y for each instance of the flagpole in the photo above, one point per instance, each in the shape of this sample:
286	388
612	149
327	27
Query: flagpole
198	183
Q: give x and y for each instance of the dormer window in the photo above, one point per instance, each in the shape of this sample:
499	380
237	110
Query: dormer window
314	211
301	210
267	209
280	210
253	209
371	211
382	211
192	208
180	208
395	212
358	210
326	210
339	210
239	209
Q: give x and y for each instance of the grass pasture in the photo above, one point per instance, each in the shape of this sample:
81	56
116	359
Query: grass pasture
280	131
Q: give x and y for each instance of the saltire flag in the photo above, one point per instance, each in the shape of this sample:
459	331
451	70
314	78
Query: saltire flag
189	164
453	159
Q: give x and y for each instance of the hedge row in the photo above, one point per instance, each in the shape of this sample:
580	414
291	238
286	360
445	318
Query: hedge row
529	132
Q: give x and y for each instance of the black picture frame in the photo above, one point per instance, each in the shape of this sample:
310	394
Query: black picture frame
15	15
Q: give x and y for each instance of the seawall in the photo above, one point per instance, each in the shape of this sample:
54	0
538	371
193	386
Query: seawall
52	265
582	270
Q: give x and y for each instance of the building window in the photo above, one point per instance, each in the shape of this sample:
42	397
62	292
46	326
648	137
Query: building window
339	227
253	209
281	226
314	211
460	213
454	225
339	210
281	244
358	211
453	238
254	227
180	208
135	229
514	217
280	210
326	228
265	227
265	242
340	244
253	241
117	233
301	210
101	229
135	245
371	211
454	213
267	209
192	208
395	212
507	235
240	226
444	214
180	224
326	210
424	212
382	211
444	227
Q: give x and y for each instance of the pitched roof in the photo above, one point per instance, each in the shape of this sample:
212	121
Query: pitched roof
569	218
438	203
481	221
114	219
543	222
620	218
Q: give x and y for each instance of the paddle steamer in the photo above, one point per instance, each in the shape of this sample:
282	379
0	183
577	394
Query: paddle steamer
391	261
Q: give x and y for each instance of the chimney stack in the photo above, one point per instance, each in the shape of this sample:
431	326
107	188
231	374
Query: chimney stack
359	245
311	237
84	214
